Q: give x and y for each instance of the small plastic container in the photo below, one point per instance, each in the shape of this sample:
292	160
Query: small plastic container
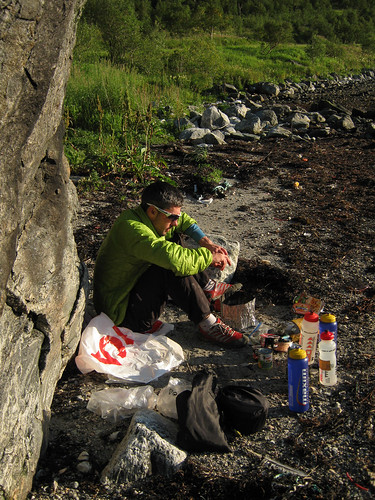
327	359
298	380
309	335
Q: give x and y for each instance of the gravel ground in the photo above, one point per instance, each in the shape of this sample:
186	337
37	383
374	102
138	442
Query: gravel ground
319	239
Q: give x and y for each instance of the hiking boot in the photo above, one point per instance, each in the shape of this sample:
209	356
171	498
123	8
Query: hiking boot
222	290
221	333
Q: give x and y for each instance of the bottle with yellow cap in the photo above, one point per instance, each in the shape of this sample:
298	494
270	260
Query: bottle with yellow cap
298	380
327	322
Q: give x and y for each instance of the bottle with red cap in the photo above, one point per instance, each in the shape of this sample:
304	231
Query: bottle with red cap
327	359
309	335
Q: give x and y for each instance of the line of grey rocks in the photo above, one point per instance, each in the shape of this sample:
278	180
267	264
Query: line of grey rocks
263	111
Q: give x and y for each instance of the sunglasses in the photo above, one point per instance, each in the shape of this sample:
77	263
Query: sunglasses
172	217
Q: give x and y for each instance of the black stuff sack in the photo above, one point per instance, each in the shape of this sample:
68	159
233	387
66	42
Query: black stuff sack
244	408
199	418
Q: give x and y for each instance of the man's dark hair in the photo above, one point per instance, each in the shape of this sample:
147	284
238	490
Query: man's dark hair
161	194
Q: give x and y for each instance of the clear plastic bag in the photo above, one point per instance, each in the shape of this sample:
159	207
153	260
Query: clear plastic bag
166	403
116	403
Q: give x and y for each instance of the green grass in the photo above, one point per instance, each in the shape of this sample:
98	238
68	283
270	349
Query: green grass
253	62
118	92
113	115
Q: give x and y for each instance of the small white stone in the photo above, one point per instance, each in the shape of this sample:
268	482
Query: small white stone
84	467
114	436
83	456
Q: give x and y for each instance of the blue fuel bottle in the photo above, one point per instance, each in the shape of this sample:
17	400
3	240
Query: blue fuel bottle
328	322
298	380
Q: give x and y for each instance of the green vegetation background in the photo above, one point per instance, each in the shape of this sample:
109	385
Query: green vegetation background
138	64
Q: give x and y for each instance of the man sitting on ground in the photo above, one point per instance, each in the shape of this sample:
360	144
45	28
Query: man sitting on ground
142	262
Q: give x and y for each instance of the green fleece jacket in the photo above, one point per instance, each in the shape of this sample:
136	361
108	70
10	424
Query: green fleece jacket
129	248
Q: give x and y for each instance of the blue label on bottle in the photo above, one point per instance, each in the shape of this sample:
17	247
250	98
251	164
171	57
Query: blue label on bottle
298	386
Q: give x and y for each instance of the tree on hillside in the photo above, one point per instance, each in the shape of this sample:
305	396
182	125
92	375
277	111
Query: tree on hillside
173	15
348	26
119	25
276	32
209	16
144	12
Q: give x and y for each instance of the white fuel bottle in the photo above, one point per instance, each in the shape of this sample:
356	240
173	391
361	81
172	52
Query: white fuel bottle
309	335
327	359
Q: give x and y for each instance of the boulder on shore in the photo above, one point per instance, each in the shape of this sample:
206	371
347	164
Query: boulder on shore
42	283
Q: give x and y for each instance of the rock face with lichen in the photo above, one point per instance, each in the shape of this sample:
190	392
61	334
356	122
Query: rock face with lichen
42	284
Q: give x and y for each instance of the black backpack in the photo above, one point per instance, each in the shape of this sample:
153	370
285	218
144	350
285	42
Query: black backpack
204	411
199	418
243	407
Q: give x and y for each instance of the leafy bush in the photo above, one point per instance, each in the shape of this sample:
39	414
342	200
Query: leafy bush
317	48
205	176
102	165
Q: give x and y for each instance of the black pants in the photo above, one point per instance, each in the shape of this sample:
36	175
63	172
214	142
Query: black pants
150	294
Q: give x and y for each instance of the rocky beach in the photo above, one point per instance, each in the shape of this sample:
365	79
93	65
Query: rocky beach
301	205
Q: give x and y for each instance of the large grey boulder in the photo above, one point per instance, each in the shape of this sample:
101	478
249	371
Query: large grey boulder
268	88
238	110
148	448
194	135
213	118
346	123
341	122
279	131
316	117
299	121
268	117
42	296
198	136
251	124
215	137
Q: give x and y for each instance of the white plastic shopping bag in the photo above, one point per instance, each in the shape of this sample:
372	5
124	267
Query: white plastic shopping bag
124	354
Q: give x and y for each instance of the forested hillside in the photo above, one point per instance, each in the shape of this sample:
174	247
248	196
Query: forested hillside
272	21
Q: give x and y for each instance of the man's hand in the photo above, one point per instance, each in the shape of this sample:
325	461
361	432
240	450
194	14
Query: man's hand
220	260
219	255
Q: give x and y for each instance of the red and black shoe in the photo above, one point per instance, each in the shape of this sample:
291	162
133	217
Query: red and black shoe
220	292
220	333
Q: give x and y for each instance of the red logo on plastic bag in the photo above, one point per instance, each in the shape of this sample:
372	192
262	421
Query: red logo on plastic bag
103	356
